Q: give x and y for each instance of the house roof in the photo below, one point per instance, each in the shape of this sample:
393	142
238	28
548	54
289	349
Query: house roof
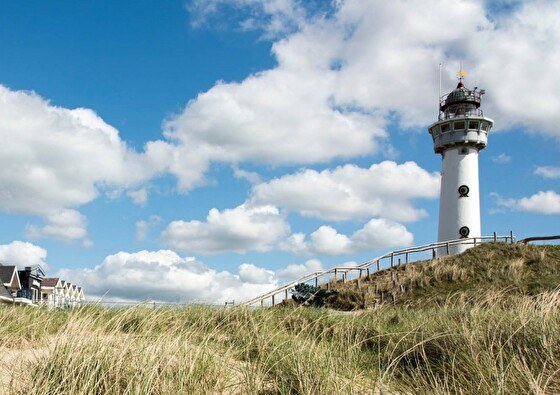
4	293
7	274
50	282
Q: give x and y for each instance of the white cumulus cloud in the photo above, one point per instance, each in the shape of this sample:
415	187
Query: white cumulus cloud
22	254
273	16
548	171
143	227
295	271
239	229
55	158
139	197
64	225
165	276
347	192
341	76
249	273
376	233
542	202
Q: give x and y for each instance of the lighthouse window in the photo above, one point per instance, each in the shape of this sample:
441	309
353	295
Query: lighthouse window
445	128
473	125
459	125
484	126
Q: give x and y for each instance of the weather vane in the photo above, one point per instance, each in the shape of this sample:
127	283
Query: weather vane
462	73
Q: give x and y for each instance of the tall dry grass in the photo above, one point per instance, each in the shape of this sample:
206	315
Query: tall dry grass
495	341
495	345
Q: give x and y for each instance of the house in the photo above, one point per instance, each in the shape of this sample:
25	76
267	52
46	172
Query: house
5	295
30	279
52	292
29	286
10	283
81	297
72	295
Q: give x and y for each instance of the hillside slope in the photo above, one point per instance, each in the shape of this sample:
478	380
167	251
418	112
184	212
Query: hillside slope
467	325
478	273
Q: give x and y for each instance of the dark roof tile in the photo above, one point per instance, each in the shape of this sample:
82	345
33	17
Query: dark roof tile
6	273
5	293
50	282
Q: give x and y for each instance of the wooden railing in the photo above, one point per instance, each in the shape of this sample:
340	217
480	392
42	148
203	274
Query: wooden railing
383	262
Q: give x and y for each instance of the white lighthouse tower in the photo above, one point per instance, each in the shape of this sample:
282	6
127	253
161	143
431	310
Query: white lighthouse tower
459	134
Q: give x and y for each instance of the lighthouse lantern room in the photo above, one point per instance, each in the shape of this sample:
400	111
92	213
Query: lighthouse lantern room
459	134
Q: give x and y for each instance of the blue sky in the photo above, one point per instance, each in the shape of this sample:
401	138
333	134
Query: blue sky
208	150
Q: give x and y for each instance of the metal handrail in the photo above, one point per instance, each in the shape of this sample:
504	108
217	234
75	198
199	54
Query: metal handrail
475	112
376	261
539	238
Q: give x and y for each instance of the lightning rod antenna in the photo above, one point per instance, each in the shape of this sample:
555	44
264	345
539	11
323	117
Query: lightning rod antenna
439	96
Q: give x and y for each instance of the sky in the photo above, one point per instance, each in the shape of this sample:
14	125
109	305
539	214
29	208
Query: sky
210	150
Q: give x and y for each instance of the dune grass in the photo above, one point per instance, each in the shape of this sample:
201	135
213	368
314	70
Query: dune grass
491	342
515	269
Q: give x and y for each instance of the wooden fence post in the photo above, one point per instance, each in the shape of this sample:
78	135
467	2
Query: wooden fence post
511	236
495	237
378	265
447	248
392	259
406	258
272	300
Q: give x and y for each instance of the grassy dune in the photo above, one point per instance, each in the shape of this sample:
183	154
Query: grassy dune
503	339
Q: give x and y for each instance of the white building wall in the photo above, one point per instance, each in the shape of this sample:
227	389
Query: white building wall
460	167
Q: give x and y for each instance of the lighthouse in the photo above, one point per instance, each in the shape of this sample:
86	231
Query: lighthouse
459	134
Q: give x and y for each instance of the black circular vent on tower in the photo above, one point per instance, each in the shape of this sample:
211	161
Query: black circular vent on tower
463	191
464	231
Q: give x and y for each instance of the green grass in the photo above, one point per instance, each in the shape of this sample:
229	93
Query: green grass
512	269
501	340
